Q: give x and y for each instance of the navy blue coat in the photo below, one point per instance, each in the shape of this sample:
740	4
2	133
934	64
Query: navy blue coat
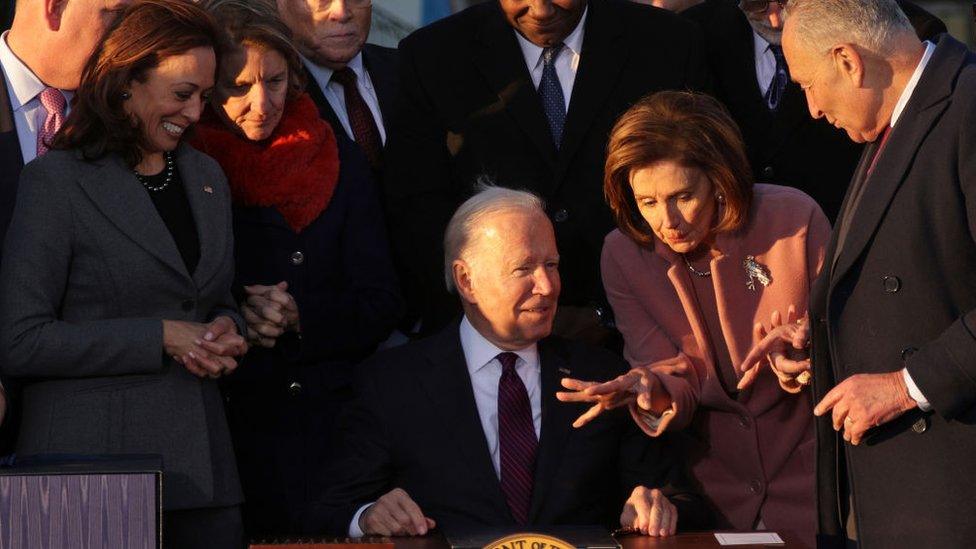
281	402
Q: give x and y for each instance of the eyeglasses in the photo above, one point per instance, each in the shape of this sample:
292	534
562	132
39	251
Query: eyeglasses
353	4
759	6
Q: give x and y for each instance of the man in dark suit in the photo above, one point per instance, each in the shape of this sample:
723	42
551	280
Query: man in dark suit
462	430
45	49
785	146
526	93
353	83
894	311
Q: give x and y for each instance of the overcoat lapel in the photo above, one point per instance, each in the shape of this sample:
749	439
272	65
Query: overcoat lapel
927	104
557	423
115	191
601	61
210	211
448	387
500	60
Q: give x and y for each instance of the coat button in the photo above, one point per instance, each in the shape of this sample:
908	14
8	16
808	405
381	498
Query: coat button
755	487
920	426
297	258
188	305
294	388
891	284
907	353
560	215
768	172
744	422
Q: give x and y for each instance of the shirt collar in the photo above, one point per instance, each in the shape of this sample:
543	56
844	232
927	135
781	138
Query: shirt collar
478	351
759	43
906	94
324	74
21	81
573	42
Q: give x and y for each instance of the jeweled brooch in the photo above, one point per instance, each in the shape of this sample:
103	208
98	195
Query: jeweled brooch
756	273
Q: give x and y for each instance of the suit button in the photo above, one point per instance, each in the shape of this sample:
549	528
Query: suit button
822	320
560	215
744	422
891	284
768	173
297	258
907	353
755	487
920	426
188	305
294	388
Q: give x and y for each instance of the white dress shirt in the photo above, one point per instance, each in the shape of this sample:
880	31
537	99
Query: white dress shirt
566	63
765	62
23	88
906	94
486	371
336	96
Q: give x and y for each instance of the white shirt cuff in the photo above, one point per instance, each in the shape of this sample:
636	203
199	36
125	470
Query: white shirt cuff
915	392
354	530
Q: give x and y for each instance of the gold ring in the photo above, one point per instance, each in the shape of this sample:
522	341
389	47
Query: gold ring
849	418
804	378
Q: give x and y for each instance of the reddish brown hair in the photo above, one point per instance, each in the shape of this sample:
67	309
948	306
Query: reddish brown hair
691	129
147	32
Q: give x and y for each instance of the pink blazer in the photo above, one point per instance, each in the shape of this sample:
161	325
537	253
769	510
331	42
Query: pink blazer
760	447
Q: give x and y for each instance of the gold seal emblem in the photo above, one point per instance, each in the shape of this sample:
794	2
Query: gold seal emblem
529	541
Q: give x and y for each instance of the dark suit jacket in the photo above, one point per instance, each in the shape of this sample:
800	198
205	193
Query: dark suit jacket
469	109
89	273
11	162
902	293
282	402
415	426
382	65
787	147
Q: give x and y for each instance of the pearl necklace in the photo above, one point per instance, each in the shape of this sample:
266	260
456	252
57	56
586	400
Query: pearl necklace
168	156
694	271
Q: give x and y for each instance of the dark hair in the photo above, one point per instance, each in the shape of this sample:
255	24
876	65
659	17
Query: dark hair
148	32
257	23
691	129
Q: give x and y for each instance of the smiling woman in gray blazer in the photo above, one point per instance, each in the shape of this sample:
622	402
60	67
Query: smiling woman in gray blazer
115	302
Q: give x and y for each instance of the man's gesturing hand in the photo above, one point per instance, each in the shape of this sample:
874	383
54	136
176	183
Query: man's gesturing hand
649	511
863	401
395	514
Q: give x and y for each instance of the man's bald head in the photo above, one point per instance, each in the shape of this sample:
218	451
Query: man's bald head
55	38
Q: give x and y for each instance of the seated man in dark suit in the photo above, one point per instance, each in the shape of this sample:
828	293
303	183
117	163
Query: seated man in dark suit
462	430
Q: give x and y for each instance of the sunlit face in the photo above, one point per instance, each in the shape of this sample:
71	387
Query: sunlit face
678	203
328	32
172	97
767	23
831	82
509	278
543	22
252	90
81	26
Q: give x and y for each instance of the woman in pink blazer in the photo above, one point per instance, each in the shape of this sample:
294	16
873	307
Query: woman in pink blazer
701	261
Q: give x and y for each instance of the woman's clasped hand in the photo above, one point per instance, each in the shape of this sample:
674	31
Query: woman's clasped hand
205	350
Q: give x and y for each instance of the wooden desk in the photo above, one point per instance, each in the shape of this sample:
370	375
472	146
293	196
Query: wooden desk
695	540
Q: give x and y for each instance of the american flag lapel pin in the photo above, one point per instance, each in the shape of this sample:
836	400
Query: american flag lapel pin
208	189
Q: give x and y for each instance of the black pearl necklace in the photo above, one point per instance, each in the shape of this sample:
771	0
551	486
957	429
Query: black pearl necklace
168	157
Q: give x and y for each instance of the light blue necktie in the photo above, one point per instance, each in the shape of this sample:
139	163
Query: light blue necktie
551	92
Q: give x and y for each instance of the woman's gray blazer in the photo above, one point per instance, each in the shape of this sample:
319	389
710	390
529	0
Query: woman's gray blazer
88	274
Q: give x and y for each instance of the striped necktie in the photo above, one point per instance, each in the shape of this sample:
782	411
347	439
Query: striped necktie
516	439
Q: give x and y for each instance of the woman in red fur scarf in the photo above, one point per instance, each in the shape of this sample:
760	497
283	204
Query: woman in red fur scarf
314	274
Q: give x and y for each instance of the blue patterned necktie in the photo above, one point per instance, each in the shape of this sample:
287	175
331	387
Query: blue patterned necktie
782	76
551	92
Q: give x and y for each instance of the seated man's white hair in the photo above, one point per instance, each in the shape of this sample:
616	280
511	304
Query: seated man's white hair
488	199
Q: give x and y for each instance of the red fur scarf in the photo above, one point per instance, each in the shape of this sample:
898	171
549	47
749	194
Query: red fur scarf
294	171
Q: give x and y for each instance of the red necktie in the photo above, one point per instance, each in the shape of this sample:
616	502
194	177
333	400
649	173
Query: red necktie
516	439
877	152
53	102
361	120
